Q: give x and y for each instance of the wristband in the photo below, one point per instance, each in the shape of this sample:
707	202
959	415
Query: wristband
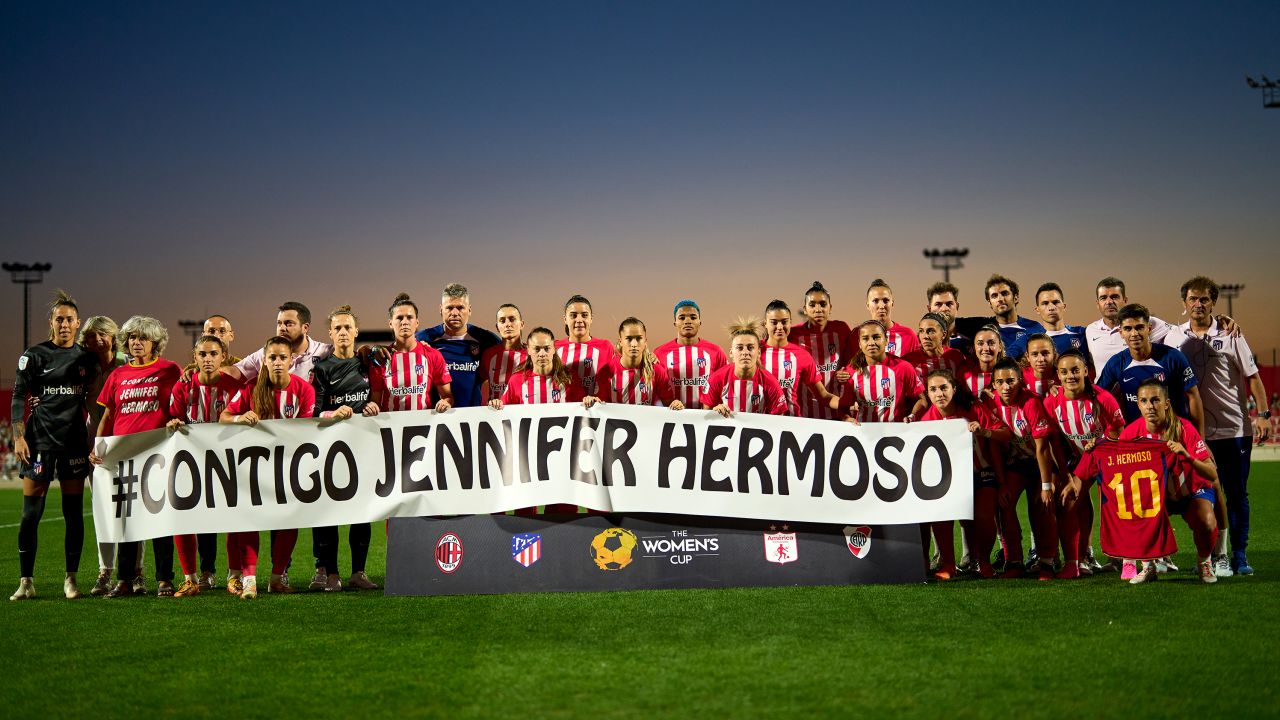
1045	487
1265	414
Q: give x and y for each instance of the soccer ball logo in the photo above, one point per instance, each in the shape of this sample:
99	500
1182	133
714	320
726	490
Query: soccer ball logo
612	548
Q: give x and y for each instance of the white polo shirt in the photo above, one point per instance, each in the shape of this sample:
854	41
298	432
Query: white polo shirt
1107	341
1223	365
303	362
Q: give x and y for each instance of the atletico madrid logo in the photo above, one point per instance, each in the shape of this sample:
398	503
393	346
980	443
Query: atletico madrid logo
289	410
448	552
786	364
418	368
858	540
701	362
526	548
884	385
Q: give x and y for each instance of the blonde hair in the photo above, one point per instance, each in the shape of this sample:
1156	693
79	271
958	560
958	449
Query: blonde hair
343	310
750	325
147	328
102	324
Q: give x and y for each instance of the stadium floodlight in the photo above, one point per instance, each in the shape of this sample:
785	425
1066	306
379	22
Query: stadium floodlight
194	328
946	260
27	275
1230	291
1270	90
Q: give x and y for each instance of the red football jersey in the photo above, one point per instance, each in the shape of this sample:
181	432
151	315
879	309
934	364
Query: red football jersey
790	366
138	397
1027	418
951	359
828	347
404	382
761	393
900	341
976	379
689	366
584	360
1191	440
526	388
627	385
1039	388
195	402
884	392
979	414
296	400
1132	478
497	365
1087	418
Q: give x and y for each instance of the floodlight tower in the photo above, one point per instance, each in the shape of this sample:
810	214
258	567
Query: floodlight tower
194	328
1230	291
1270	90
946	260
27	275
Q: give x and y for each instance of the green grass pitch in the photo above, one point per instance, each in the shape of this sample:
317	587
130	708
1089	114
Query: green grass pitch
1087	648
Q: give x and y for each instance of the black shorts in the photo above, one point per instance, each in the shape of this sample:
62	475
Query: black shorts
60	465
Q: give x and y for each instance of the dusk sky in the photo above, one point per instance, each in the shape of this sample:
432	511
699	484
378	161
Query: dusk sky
174	161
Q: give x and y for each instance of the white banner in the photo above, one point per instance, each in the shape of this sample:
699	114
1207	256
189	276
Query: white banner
614	458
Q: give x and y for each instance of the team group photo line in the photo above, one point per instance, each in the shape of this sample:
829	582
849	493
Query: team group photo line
1120	425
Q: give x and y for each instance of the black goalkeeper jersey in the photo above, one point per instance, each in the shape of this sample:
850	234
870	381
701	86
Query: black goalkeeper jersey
340	381
61	378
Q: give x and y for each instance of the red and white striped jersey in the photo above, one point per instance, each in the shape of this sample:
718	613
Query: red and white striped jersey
951	359
194	402
1087	418
761	393
1039	388
976	379
405	381
791	366
584	360
901	340
830	350
1027	418
627	385
526	388
497	364
689	366
296	400
980	414
884	392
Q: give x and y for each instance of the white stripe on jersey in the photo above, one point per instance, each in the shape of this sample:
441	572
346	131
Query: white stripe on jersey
877	393
540	389
206	402
502	365
1080	420
743	396
583	362
287	404
782	364
827	355
629	387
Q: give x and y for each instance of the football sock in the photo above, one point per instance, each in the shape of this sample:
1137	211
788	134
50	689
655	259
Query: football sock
358	538
73	542
28	533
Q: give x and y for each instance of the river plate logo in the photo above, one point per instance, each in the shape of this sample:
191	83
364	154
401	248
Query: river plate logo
612	549
858	540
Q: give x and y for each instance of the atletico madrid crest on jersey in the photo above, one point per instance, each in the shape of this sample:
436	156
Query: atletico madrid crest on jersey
555	395
418	368
289	410
884	385
891	347
701	362
448	552
786	364
526	548
1075	343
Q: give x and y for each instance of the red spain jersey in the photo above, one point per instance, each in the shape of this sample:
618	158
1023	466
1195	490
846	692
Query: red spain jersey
884	392
1132	478
497	365
526	388
979	414
1039	388
138	397
1085	419
195	402
1191	440
296	400
900	341
790	366
405	381
761	393
689	366
627	385
584	360
1027	418
951	359
829	348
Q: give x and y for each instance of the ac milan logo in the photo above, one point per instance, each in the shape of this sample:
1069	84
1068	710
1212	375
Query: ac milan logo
858	540
780	547
526	548
448	552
